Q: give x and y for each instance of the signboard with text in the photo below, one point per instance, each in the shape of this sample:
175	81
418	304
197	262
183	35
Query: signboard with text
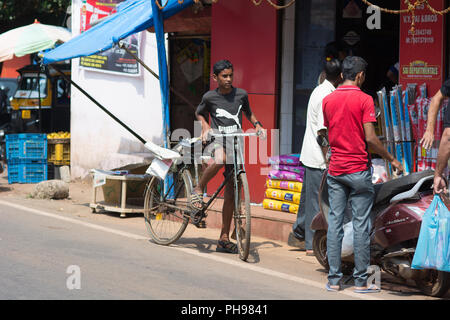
114	60
422	52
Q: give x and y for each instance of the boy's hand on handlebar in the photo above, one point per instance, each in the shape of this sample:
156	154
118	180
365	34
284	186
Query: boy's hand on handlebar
439	184
262	133
206	134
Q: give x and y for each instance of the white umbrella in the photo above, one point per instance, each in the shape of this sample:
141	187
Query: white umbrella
32	38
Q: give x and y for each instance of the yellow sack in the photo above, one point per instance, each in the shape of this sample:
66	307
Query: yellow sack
280	206
289	196
286	185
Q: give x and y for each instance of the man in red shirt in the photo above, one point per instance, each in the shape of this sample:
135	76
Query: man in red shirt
349	115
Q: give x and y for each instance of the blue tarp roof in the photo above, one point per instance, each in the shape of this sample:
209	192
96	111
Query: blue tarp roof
132	16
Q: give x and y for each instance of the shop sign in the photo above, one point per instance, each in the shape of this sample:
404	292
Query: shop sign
422	51
114	60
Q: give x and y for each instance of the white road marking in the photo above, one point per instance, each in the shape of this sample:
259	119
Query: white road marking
236	263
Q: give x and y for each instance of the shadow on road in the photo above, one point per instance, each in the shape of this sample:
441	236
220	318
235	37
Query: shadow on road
205	245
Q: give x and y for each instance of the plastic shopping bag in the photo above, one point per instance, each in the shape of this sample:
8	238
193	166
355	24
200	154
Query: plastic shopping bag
433	246
347	241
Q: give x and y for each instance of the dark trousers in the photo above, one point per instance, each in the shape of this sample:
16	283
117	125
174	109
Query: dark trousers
309	206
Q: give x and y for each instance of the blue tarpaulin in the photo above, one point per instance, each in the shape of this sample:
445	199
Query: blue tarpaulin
132	16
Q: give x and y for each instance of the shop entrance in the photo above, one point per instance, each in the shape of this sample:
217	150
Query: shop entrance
324	26
189	76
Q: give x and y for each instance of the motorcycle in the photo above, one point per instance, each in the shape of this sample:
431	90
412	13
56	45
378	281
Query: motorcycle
396	218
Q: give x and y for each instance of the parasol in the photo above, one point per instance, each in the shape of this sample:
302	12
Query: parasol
31	38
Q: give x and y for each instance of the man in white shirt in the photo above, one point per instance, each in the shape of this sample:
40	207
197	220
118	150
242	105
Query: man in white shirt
313	158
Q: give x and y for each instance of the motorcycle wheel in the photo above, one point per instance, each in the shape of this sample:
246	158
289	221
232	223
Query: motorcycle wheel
435	284
320	251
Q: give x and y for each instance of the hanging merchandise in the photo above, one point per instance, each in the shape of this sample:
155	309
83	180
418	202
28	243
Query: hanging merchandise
405	128
386	125
396	125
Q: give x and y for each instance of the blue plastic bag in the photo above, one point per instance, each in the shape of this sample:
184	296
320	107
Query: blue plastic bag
433	246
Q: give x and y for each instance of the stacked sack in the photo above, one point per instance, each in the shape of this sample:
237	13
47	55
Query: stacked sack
284	183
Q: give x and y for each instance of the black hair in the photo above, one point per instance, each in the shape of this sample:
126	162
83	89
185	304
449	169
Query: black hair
332	70
351	66
221	65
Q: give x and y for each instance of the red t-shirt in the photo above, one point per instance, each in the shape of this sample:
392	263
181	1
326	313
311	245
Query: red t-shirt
344	112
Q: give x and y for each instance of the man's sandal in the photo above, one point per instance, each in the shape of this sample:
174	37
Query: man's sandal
226	246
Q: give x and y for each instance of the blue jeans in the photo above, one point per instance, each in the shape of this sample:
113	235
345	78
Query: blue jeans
357	188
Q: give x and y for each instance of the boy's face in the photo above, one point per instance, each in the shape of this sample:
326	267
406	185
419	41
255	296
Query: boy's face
224	78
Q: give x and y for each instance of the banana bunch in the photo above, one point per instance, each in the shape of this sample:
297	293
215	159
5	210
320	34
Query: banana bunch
59	135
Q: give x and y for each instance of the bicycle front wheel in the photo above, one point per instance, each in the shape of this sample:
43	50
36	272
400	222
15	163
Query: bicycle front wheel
166	217
242	217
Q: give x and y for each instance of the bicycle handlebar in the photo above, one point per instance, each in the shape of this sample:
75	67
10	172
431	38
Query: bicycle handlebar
225	135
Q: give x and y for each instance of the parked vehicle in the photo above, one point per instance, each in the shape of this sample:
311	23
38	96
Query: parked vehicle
396	219
53	114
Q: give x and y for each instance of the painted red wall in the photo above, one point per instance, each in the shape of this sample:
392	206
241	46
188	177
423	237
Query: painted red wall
10	66
247	35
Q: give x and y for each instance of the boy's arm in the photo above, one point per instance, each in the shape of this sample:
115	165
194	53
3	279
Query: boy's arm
205	127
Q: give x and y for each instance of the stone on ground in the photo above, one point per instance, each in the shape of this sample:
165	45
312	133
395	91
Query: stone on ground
51	189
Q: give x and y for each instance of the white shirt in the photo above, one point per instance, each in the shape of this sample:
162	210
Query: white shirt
311	154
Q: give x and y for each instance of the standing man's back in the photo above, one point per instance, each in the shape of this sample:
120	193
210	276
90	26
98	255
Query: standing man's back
347	109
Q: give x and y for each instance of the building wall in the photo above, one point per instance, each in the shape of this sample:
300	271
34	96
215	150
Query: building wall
97	141
10	66
248	36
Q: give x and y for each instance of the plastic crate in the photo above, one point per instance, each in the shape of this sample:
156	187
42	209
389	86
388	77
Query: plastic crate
27	171
59	151
26	146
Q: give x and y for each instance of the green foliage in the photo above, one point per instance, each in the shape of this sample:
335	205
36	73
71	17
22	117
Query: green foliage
17	13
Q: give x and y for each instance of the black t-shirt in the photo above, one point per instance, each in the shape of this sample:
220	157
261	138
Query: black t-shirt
445	90
225	110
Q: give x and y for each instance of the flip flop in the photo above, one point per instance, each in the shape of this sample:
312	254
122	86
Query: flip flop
196	198
329	288
372	289
226	246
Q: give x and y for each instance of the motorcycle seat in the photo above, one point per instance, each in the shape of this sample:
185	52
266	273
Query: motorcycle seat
384	192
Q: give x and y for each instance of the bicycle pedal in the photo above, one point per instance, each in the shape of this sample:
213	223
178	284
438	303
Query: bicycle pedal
201	225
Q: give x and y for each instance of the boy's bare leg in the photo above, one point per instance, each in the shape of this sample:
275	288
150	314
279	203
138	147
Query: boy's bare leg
227	211
213	168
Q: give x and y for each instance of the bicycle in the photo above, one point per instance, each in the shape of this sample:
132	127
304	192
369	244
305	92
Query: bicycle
167	211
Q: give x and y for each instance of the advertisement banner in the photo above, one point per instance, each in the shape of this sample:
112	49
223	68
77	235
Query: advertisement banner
422	52
114	60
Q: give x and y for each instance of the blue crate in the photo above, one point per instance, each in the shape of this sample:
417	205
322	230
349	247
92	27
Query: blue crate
26	146
27	171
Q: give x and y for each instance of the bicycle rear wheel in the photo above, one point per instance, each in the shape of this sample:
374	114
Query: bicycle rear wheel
167	220
242	217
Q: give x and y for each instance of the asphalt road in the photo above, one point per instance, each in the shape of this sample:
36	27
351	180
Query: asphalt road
49	255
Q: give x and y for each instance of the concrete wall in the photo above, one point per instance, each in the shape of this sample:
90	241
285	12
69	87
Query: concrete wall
98	141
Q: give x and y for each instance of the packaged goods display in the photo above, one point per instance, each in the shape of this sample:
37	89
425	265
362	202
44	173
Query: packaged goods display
284	183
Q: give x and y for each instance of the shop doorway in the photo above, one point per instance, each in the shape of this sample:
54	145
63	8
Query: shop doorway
189	76
344	23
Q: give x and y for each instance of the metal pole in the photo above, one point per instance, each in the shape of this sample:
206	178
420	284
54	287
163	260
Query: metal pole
39	98
99	105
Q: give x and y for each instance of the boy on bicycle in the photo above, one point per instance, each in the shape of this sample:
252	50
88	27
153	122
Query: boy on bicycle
225	106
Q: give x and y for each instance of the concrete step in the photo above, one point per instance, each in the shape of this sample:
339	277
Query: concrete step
270	224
